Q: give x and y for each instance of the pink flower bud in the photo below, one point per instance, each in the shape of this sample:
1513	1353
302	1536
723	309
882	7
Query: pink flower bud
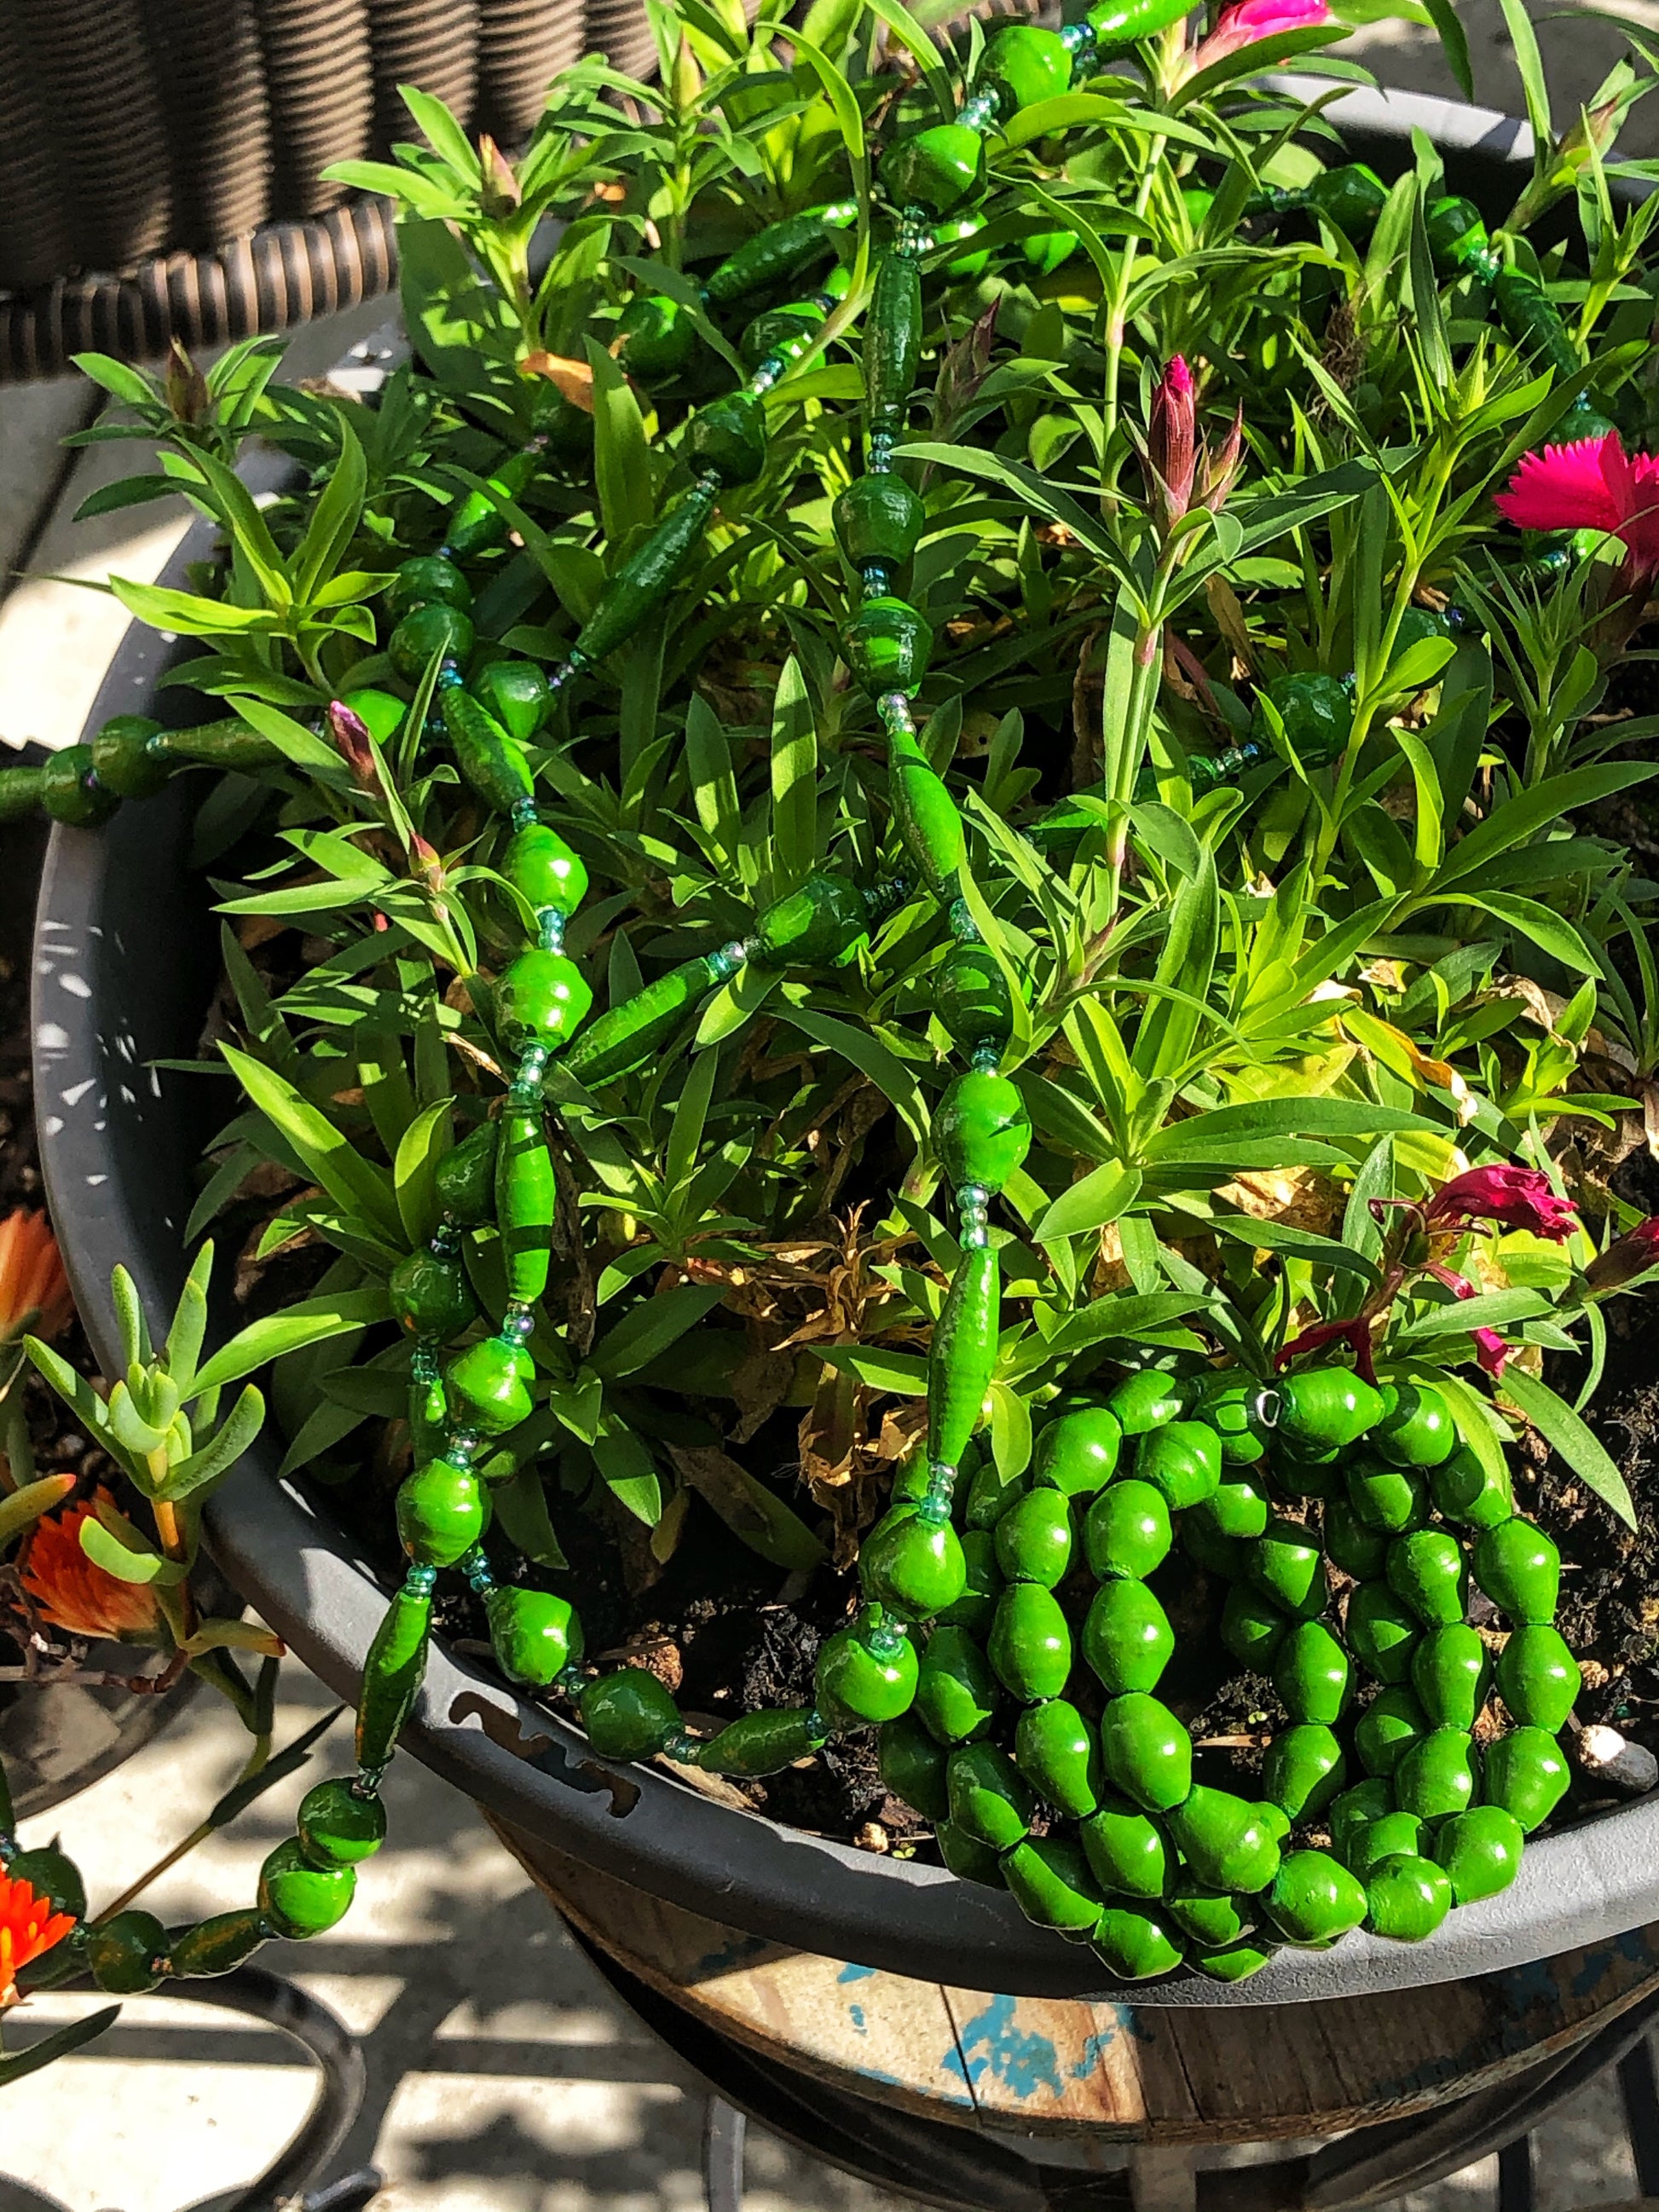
501	194
1172	444
1490	1348
356	747
1356	1334
1627	1257
1517	1198
1241	26
426	863
184	387
1221	469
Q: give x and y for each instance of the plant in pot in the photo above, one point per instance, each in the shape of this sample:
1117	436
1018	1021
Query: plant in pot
932	957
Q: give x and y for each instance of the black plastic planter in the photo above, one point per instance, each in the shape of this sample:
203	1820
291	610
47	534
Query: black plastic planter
126	960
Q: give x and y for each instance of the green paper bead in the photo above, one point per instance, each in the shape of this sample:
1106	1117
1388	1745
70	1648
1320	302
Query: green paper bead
1252	1626
464	1180
1520	1569
1182	1461
541	998
782	252
1225	1841
123	1955
338	1826
1358	1807
1302	1770
913	1765
435	628
1525	1774
1049	1877
494	764
1034	1539
1307	1474
216	1945
534	1635
1312	1900
1326	1407
1227	1402
1317	713
1387	1729
1146	1752
1126	1532
1127	1637
1416	1429
1310	1673
1464	1489
517	694
1147	1401
962	230
976	1607
1128	1853
1236	1510
982	1130
878	518
892	342
1538	1678
728	438
428	581
1480	1851
1286	1566
1382	1632
69	790
299	1899
756	1744
1448	1674
1079	1452
431	1295
1236	1963
989	1799
1027	64
1349	1545
1203	1542
971	996
1136	1947
440	1509
488	1385
967	1857
1392	1501
955	1690
887	645
1212	1919
925	815
122	759
816	924
936	169
526	1198
543	869
1407	1899
659	337
855	1685
1351	197
1391	1836
1426	1573
1433	1777
1058	1752
1030	1645
629	1714
912	1566
963	1355
991	1494
392	1676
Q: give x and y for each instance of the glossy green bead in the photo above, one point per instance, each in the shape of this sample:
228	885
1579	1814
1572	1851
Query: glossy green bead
1407	1899
1146	1752
124	1955
1148	1400
392	1676
491	761
517	694
1480	1851
464	1182
1326	1407
1077	1454
1034	1539
1302	1770
1126	1532
440	1509
1058	1752
1127	1637
1465	1490
657	336
1135	1946
1028	64
816	924
962	1356
970	994
728	438
437	629
913	1763
962	230
534	1635
1538	1678
647	574
1393	1836
855	1683
1286	1566
1520	1569
1525	1773
1252	1626
925	815
339	1825
1183	1461
936	169
1313	1899
878	518
216	1945
428	581
431	1295
1456	233
1416	1429
1211	1918
892	343
545	871
967	1857
526	1199
1235	1962
70	791
1317	715
541	998
627	1036
1448	1674
1030	1645
1392	1501
1349	1545
1358	1807
1387	1729
1352	198
1050	1881
1382	1632
300	1899
1203	1543
989	1799
1229	1403
982	1130
756	1744
1224	1840
628	1715
1427	1574
1128	1852
123	760
955	1690
1307	1475
912	1566
887	645
991	1494
1310	1673
787	334
488	1385
53	1875
976	1607
1433	1777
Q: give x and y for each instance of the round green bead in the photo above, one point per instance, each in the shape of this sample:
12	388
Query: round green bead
815	925
1386	1730
300	1899
1058	1752
1148	1400
1237	1962
53	1875
913	1763
1416	1429
1349	1545
971	996
1286	1566
658	336
1352	198
887	646
1030	1645
123	1955
1326	1407
1236	1510
1127	1637
534	1635
1358	1807
991	1494
440	1509
1229	1403
336	1825
878	518
1426	1573
1307	1474
955	1690
70	791
1026	63
1203	1543
1136	1947
1126	1532
464	1180
434	629
1049	1878
1382	1632
1465	1490
1304	1769
787	333
981	1131
1310	1673
856	1684
1392	1501
1407	1899
967	1857
975	1608
541	998
1212	1919
1128	1851
1183	1461
488	1385
1146	1752
1525	1774
629	1714
936	169
1391	1836
431	1295
428	581
1433	1777
728	438
122	759
1034	1539
1224	1840
1252	1626
961	230
1480	1851
1520	1569
1538	1678
912	1566
989	1799
1079	1452
1313	1899
543	870
1449	1673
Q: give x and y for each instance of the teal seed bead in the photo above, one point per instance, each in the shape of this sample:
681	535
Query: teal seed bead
464	1182
982	1130
338	1826
1236	1962
300	1899
1349	1545
1310	1673
123	1955
1225	1841
975	1608
1391	1836
1391	1501
756	1744
1416	1429
1126	1532
1286	1566
1448	1674
1480	1851
816	926
541	998
1136	1947
430	1295
658	336
488	1384
517	694
1304	1769
1427	1574
440	1509
1227	1403
1525	1774
887	645
1407	1899
1030	1645
989	1799
1326	1407
628	1715
1034	1539
527	1196
437	629
1077	1454
1465	1490
913	1567
971	996
1387	1729
962	1356
545	871
936	169
1538	1678
1520	1569
1382	1632
1183	1461
1128	1852
1127	1637
1358	1807
1058	1752
967	1857
534	1635
1433	1777
1313	1899
1146	1752
1148	1400
892	344
913	1763
728	438
1027	64
1252	1626
955	1690
1050	1880
428	581
857	1684
1211	1918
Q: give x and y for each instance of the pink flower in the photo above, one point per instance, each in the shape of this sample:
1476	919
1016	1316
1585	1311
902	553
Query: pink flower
1490	1349
1592	485
1519	1198
1627	1257
1356	1334
351	739
1172	443
1241	26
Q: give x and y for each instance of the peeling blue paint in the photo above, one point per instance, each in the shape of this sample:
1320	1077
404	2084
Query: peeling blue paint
855	2013
855	1973
1095	2048
1021	2061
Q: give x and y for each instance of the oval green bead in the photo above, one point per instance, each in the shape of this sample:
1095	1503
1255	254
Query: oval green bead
1034	1539
1182	1461
1128	1852
1058	1752
936	169
982	1130
439	1511
912	1764
526	1198
1426	1573
1525	1773
1237	1962
1391	1836
1538	1678
976	1607
1310	1673
1252	1626
1390	1500
464	1180
658	336
989	1799
1030	1645
856	1684
1229	1403
123	761
1356	1809
124	1955
339	1825
1146	1752
1212	1919
1135	1946
1148	1400
541	998
1286	1566
1480	1851
728	438
629	1714
1313	1899
887	645
1407	1899
1127	1637
1224	1840
816	924
892	342
878	518
69	790
756	1744
1519	1568
1386	1730
437	629
955	1690
991	1494
971	996
1466	1490
1416	1429
516	693
300	1899
545	871
1433	1776
1382	1632
488	1385
967	1857
1448	1674
391	1675
1236	1510
1218	1555
428	581
1050	1880
1349	1545
1326	1407
1027	63
1077	1453
912	1566
962	1356
217	1944
431	1295
787	334
534	1635
1126	1532
1302	1770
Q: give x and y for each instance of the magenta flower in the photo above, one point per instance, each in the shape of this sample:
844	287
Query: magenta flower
1592	485
1243	25
1490	1348
1356	1334
1627	1257
1518	1198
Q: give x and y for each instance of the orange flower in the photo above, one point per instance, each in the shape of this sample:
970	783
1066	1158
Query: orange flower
29	1926
32	1280
80	1597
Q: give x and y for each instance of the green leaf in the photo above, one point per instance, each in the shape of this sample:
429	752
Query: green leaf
415	1171
353	1182
120	381
1530	811
442	132
163	608
1170	1025
129	1317
311	1320
288	1760
1294	1244
1549	930
902	1372
296	744
75	1390
748	1507
884	1069
795	781
17	2065
629	1472
1567	1434
1121	1317
522	1510
650	1327
22	1508
128	491
1209	1136
621	456
335	517
184	1345
1489	1310
1453	42
1098	1199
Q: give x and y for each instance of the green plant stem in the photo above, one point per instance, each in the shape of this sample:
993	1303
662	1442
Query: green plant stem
1117	308
199	1834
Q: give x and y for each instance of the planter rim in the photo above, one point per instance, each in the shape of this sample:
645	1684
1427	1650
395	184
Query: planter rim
112	912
